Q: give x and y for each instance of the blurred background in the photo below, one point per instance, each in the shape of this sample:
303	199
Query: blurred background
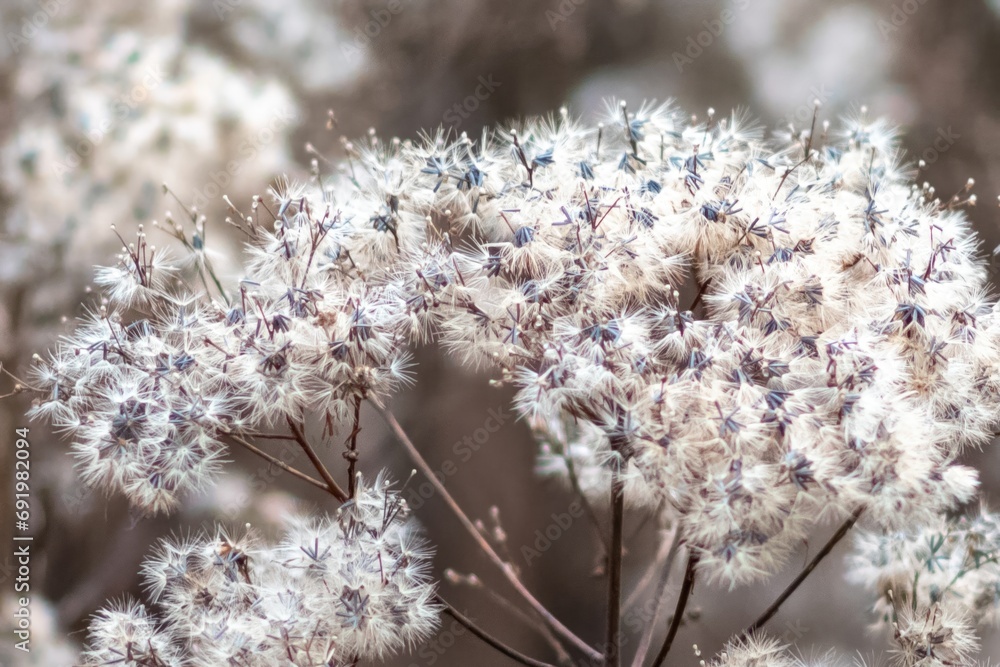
102	103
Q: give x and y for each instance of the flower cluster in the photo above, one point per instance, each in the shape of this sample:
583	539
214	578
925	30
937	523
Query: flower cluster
838	353
111	100
950	562
934	636
330	592
757	652
753	335
929	638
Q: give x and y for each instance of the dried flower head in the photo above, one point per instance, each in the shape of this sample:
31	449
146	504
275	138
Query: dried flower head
952	562
756	335
330	592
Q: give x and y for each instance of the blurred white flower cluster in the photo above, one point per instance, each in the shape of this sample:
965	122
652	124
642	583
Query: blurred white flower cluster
951	562
759	334
332	591
114	102
49	648
929	639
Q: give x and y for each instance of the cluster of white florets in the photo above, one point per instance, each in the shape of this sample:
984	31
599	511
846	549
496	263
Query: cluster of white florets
928	638
952	563
756	335
758	652
332	591
935	636
840	355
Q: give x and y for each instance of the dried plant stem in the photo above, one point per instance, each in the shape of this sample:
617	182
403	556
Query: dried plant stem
449	609
470	528
531	619
332	485
352	452
612	651
663	563
489	639
785	594
588	508
281	464
682	600
699	295
670	543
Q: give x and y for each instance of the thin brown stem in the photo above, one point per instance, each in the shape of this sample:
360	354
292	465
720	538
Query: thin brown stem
511	653
664	563
331	484
588	508
612	650
449	609
699	295
277	462
532	621
785	594
682	600
505	568
352	452
656	565
271	436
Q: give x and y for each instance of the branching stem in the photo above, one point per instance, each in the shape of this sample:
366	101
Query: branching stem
352	452
612	651
277	462
505	568
791	588
682	600
331	484
489	639
664	562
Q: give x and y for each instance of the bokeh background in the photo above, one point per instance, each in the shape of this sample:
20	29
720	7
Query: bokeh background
102	103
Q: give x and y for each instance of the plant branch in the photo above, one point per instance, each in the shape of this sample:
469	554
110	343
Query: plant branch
449	609
612	651
682	600
664	562
702	287
785	594
332	485
489	639
470	528
656	565
352	453
275	461
531	619
588	508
